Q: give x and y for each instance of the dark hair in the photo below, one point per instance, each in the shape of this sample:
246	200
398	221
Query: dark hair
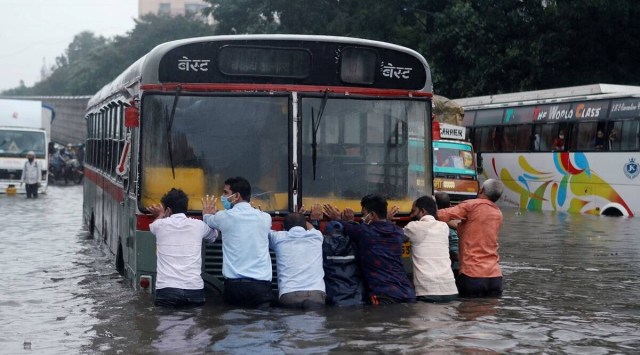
442	199
427	204
375	203
294	219
240	185
177	200
333	228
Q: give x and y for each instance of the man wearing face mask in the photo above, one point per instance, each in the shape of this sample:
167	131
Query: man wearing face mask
31	175
432	274
380	250
246	262
558	143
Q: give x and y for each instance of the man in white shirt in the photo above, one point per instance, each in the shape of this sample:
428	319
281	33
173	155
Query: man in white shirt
246	262
432	274
31	175
179	252
299	261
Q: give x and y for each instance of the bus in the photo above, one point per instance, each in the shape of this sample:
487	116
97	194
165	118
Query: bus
573	149
306	119
454	166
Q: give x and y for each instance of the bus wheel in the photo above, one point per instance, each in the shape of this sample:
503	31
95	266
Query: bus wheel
120	260
612	212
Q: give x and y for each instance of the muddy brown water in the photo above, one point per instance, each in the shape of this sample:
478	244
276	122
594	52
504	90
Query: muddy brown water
571	286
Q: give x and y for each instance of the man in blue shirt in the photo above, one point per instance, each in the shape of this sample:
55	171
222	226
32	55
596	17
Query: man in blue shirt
246	263
380	250
299	260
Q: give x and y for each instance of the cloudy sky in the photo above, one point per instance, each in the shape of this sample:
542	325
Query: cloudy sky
33	31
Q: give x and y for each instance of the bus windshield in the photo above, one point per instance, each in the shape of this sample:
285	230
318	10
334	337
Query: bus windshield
362	147
453	158
212	139
16	143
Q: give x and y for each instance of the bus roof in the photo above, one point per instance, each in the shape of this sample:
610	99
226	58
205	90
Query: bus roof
146	69
572	93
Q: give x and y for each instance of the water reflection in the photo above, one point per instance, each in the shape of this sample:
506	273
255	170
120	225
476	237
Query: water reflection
571	285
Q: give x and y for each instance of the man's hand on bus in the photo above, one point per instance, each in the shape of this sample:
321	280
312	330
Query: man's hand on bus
316	212
393	212
348	215
157	211
333	213
209	204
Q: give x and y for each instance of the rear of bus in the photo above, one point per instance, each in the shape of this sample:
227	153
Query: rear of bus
305	119
454	166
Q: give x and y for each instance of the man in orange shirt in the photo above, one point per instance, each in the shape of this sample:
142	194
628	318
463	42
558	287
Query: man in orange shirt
480	274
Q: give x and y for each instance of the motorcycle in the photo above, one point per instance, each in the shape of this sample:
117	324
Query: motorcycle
70	170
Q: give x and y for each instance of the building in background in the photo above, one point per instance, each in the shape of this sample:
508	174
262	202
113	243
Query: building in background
171	7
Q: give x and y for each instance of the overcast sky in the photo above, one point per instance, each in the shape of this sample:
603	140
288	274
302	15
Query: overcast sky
31	30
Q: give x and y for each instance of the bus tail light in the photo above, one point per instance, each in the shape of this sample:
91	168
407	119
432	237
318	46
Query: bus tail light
145	282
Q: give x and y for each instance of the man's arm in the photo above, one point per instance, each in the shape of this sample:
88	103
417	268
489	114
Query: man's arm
453	213
24	173
211	235
157	211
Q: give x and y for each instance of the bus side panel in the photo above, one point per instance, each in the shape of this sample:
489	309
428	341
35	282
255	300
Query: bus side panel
111	221
587	183
125	234
145	246
99	212
89	199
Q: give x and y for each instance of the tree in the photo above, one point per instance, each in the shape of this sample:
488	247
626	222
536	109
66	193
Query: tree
473	47
90	62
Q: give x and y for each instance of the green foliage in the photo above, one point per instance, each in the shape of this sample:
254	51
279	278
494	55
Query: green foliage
474	47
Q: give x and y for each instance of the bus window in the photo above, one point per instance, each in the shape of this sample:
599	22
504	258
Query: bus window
537	143
629	136
482	139
508	138
355	139
496	139
583	136
250	130
548	135
523	137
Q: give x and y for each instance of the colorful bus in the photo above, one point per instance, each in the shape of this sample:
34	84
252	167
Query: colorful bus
454	166
306	119
573	149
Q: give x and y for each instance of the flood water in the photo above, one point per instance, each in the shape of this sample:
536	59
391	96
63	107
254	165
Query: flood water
571	286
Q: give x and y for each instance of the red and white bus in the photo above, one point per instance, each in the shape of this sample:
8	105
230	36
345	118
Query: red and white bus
306	119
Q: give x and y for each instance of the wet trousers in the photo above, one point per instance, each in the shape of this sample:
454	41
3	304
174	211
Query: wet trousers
248	293
177	298
479	286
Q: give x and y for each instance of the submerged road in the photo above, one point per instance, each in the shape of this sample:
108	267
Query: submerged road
571	286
